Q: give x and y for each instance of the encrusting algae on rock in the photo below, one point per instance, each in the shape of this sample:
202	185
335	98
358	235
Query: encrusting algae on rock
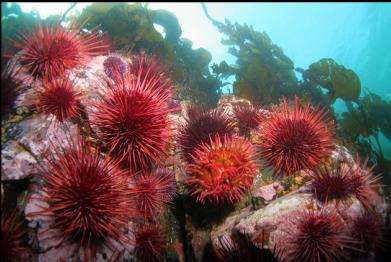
124	149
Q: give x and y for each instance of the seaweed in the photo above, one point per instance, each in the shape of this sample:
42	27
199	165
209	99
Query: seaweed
365	121
263	72
136	33
338	80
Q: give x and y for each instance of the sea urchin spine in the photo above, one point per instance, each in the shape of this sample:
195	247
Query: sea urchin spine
52	51
59	98
365	185
12	242
296	139
155	191
132	120
150	242
315	235
368	229
88	197
11	86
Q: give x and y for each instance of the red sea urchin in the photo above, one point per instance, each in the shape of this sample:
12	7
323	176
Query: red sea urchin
11	86
368	229
52	51
341	182
58	98
248	117
155	191
88	197
222	170
12	234
132	119
314	235
200	125
365	185
295	139
150	242
332	183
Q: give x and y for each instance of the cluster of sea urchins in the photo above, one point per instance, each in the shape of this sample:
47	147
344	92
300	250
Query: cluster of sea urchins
91	198
49	54
298	138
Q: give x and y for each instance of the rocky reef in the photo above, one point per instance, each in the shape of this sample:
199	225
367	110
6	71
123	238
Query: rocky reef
121	148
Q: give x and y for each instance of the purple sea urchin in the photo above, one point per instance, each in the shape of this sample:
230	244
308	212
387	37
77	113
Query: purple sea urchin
115	64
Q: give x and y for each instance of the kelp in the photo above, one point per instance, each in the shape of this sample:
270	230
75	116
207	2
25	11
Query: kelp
370	116
360	123
136	33
338	80
263	72
129	27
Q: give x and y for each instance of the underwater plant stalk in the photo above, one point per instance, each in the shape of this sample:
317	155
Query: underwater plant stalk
214	22
67	11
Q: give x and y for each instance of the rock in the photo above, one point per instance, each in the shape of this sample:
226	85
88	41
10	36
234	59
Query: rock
225	230
16	164
227	103
268	192
268	218
57	254
200	238
341	153
20	155
37	139
33	133
35	204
